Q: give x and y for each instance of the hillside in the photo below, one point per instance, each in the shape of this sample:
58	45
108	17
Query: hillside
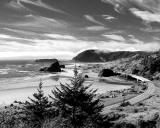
101	56
147	65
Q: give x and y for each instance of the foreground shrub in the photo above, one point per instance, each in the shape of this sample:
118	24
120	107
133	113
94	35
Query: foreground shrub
124	125
37	110
125	103
7	117
78	104
150	123
56	122
147	124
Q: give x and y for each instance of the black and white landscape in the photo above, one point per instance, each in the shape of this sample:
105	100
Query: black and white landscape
79	63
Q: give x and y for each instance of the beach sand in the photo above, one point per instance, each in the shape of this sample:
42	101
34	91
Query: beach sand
8	96
20	91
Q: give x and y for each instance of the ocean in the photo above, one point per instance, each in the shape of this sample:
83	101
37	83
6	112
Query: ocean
20	71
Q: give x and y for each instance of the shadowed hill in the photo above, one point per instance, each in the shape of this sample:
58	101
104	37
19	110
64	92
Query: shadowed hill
101	56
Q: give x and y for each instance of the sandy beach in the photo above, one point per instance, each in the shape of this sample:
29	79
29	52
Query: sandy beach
22	90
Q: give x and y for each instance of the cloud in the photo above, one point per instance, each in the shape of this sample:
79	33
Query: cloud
133	39
59	36
23	33
19	31
60	45
146	15
96	28
108	17
35	23
123	46
35	55
150	30
18	4
3	36
92	19
114	37
152	5
143	5
66	49
119	5
62	49
30	36
35	20
46	33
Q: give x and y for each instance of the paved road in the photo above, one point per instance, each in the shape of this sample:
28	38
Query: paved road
149	92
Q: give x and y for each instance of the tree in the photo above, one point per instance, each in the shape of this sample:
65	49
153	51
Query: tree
77	103
36	110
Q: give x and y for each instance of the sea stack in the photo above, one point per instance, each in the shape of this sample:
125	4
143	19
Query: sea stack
106	73
54	67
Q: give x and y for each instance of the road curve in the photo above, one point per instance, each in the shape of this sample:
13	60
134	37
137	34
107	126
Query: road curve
149	92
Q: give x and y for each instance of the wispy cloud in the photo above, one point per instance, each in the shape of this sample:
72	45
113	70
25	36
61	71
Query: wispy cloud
108	17
59	36
114	37
124	46
35	23
96	28
66	49
92	19
133	39
147	10
19	4
3	36
16	4
152	5
35	20
18	31
146	15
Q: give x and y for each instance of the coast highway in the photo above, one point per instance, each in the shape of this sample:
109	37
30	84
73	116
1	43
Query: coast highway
149	92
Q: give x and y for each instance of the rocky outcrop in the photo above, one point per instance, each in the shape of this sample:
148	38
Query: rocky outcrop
54	67
62	66
106	73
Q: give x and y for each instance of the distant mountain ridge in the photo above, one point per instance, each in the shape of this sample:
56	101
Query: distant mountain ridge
46	60
102	56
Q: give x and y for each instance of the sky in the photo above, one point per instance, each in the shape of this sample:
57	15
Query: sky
63	28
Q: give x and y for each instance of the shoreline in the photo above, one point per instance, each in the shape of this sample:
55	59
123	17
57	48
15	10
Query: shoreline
22	91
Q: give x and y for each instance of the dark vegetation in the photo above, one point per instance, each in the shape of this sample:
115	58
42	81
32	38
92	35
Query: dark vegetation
125	103
106	73
36	110
150	66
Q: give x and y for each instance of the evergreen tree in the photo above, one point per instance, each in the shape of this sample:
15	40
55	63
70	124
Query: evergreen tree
78	104
36	110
